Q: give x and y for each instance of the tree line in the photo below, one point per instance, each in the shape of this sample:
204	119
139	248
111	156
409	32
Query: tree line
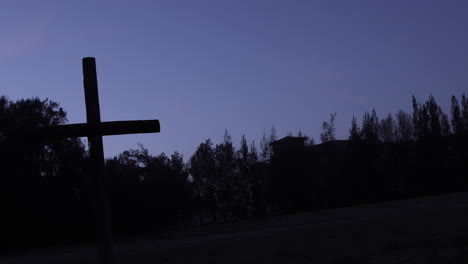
427	121
395	157
47	195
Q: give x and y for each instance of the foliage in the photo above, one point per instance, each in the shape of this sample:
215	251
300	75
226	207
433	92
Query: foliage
203	171
388	129
150	193
370	127
40	180
457	122
264	148
354	132
328	129
464	113
405	130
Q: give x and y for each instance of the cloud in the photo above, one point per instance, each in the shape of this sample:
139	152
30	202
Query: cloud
352	98
19	43
21	35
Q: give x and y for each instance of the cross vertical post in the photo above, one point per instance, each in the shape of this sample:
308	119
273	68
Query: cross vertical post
93	116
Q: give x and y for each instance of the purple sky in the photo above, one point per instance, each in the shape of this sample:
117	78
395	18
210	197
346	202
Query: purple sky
204	66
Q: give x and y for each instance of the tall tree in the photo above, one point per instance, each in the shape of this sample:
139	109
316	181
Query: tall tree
416	116
354	132
178	168
264	148
328	129
464	113
435	115
243	164
229	195
424	122
388	129
404	126
253	153
243	151
181	192
445	125
273	136
370	127
457	122
421	119
244	179
203	172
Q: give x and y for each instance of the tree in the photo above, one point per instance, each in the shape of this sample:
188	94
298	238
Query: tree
404	126
244	178
42	182
123	169
387	129
264	148
435	114
457	122
328	129
180	191
203	172
131	166
178	168
243	162
426	119
32	159
354	132
253	154
416	121
256	180
445	125
226	174
273	134
138	166
308	141
243	151
370	127
424	122
464	113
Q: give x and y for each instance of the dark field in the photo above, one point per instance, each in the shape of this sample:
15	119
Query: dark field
424	230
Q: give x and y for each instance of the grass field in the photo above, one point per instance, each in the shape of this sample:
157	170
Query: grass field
423	230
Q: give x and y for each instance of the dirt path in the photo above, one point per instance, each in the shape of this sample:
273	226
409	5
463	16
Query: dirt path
425	230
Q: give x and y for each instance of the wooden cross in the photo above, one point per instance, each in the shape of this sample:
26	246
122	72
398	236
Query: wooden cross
94	129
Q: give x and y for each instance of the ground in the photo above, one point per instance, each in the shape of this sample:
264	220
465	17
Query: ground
423	230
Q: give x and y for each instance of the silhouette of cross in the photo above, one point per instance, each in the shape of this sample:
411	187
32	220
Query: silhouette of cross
94	129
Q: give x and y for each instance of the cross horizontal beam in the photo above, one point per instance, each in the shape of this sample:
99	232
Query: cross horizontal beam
100	129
